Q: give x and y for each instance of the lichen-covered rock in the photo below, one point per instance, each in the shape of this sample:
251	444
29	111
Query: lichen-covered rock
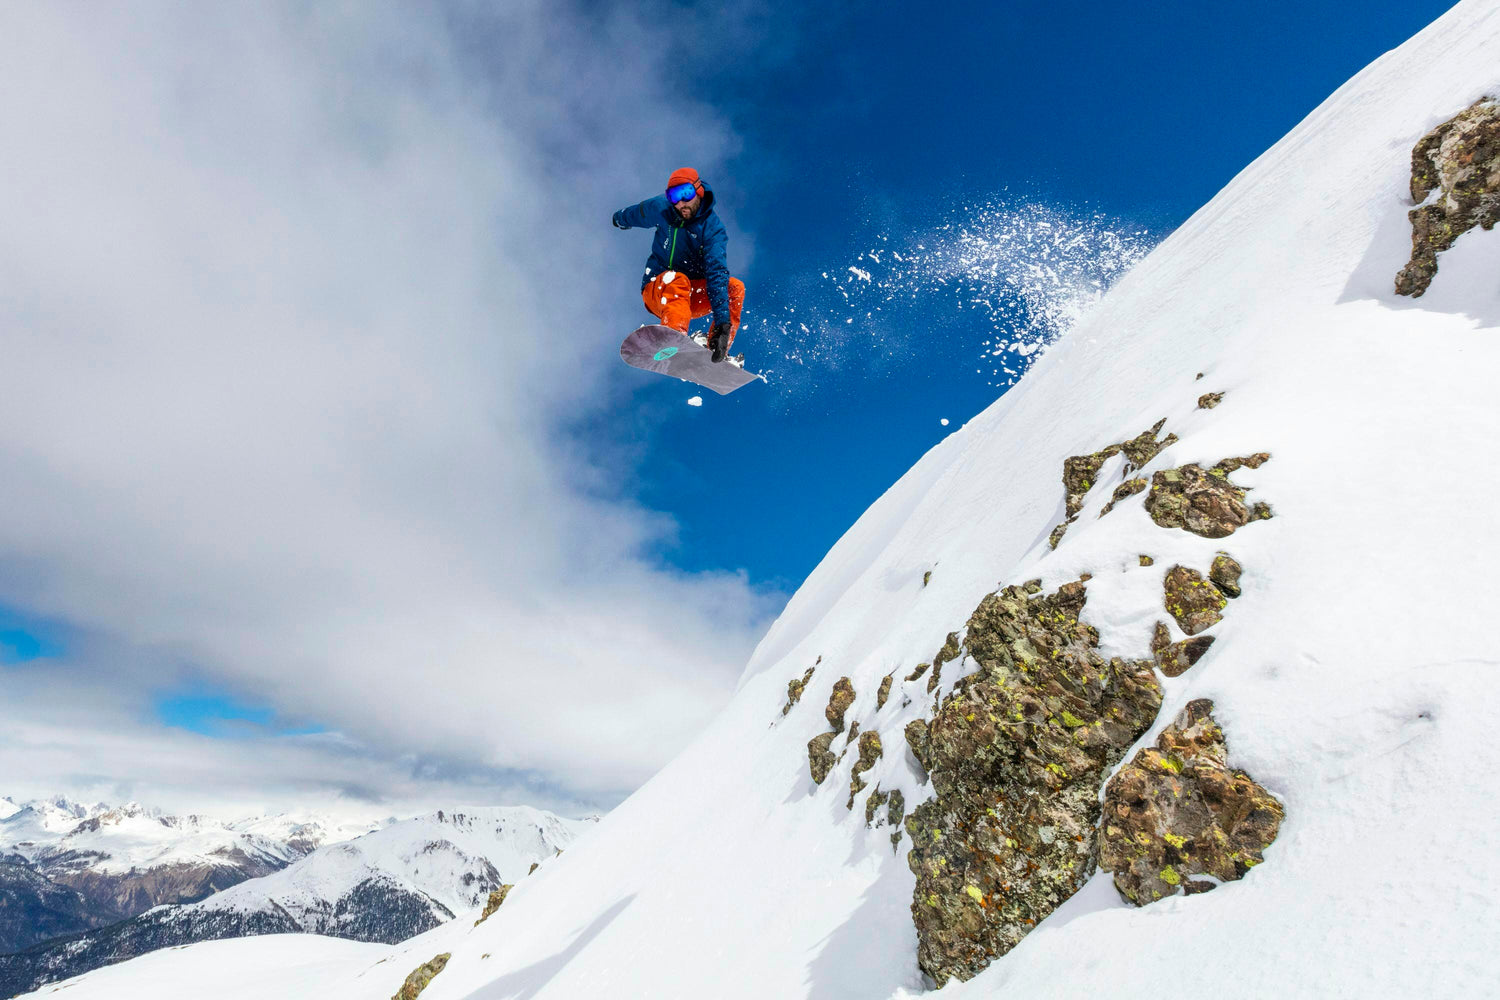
1174	658
1460	161
873	802
951	651
1016	755
1209	400
1178	810
1225	573
920	669
794	689
820	757
496	898
916	739
1192	599
869	753
1146	560
883	693
1144	447
1128	488
1204	501
895	811
534	866
926	578
1081	472
839	702
421	976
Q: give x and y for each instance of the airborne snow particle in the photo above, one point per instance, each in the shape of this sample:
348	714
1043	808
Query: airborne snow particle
944	421
698	401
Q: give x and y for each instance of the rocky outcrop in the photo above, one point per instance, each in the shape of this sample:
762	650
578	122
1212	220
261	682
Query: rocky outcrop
820	759
839	702
895	808
1204	501
1225	573
1174	658
869	753
1081	472
1455	179
794	689
421	976
1177	818
1128	488
951	651
496	898
1209	400
884	692
1192	600
1016	754
1196	604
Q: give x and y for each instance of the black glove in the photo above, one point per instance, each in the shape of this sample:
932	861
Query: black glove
718	342
616	220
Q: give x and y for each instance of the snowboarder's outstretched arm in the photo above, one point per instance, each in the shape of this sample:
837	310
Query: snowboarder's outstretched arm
643	216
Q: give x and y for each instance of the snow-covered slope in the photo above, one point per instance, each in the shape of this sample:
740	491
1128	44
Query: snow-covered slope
1354	678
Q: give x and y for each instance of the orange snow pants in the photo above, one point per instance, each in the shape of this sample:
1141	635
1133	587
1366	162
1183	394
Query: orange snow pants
680	300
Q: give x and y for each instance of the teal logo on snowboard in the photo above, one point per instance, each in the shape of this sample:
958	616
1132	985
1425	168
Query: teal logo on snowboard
664	353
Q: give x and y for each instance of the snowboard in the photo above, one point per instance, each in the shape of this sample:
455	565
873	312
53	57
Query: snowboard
662	349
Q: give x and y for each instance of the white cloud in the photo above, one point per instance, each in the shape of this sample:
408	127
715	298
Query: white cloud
293	301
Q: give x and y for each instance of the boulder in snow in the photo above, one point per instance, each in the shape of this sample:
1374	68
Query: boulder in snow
1178	810
1017	754
1455	179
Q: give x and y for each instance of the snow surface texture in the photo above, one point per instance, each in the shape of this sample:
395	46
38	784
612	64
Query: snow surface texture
1354	678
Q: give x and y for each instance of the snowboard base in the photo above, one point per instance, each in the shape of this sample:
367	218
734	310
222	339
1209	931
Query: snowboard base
662	349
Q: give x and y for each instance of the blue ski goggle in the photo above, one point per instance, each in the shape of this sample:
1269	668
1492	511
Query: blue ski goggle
682	192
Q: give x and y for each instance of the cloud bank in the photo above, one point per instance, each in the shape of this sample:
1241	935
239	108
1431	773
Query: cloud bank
294	301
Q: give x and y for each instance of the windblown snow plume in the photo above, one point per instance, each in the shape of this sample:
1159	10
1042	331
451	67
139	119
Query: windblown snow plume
994	284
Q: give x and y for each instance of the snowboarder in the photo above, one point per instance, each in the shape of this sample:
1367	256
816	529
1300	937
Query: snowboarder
687	275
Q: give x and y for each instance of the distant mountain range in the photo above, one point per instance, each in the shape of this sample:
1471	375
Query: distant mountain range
123	860
385	886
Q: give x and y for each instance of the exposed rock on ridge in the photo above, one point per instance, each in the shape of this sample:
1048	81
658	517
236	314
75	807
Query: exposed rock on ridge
1016	754
1458	163
1204	501
421	976
1178	810
1081	472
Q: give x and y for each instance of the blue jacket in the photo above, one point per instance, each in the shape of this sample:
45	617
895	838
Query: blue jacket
695	247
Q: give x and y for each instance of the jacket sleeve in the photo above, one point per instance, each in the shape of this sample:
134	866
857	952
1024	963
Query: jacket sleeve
642	216
716	269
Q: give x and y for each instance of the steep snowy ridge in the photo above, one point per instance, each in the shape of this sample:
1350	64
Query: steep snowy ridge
1353	673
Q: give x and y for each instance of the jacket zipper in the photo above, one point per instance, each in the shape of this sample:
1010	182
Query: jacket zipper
672	253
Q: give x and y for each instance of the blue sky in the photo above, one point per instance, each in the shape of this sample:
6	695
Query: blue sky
886	119
323	476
